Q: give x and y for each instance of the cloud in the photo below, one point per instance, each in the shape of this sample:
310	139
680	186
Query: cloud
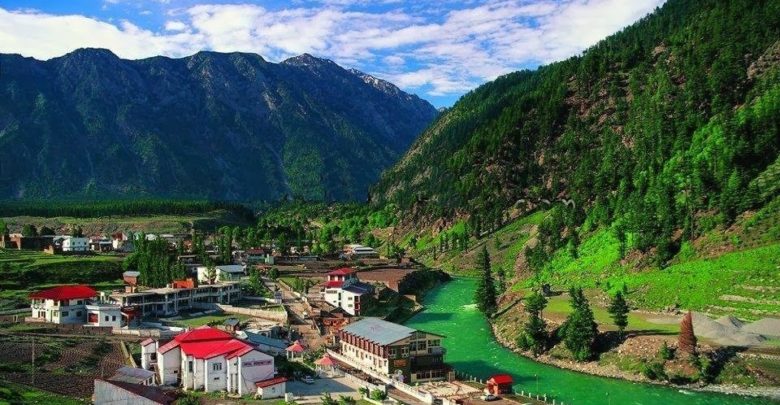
441	48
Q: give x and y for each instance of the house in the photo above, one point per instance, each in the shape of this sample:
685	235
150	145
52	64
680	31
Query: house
17	241
170	300
100	244
360	252
74	244
268	345
344	290
120	392
65	304
231	272
499	384
258	256
122	242
394	350
213	360
102	313
133	375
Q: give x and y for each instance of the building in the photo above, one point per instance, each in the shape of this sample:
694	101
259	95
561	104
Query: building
74	244
134	375
65	304
125	393
213	360
499	384
169	301
258	256
17	241
230	272
360	252
394	350
269	345
102	313
131	278
100	244
345	291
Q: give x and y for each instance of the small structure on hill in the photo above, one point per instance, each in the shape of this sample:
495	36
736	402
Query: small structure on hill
120	392
295	351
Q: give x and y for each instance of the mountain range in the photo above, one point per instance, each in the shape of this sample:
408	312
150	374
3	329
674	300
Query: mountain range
223	126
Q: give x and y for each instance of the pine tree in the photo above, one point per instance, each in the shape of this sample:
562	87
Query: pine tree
580	329
485	295
686	342
534	335
618	310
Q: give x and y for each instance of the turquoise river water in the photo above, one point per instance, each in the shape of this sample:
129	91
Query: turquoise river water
471	348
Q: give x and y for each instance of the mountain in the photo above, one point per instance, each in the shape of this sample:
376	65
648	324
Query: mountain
211	125
660	132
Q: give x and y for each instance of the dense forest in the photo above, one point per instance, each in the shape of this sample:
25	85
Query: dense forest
660	132
100	208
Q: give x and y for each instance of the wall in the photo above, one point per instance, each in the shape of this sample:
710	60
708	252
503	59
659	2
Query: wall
254	366
107	393
169	364
278	316
215	380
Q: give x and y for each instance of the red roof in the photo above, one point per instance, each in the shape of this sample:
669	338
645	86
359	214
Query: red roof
206	342
66	292
325	361
295	347
501	379
344	271
270	382
147	342
334	284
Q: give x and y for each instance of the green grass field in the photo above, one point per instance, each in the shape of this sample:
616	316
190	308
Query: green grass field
207	319
28	271
11	393
636	321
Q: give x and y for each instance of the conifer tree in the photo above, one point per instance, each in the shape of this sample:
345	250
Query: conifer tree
534	336
579	330
485	295
618	311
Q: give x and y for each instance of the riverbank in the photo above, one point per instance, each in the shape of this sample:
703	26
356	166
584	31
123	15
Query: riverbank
611	371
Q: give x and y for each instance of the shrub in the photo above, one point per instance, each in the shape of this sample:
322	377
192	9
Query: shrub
666	352
378	395
654	371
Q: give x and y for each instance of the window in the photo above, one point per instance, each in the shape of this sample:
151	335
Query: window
106	318
405	351
113	318
392	351
216	366
154	356
64	313
78	313
189	366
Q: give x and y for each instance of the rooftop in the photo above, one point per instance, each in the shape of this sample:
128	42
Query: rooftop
132	375
66	292
344	271
378	331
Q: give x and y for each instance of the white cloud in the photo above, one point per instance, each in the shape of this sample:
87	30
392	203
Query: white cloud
444	48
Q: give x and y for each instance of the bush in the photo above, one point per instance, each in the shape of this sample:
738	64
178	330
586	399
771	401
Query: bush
378	395
654	371
363	391
666	352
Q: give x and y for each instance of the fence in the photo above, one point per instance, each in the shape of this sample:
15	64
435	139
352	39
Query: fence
535	396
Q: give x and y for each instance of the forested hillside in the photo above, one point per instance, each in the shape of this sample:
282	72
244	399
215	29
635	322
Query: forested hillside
659	133
218	126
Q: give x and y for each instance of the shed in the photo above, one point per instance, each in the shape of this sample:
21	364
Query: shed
499	384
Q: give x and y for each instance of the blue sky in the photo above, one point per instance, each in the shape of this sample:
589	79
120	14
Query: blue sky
436	49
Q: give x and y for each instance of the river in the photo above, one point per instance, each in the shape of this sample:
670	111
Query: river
471	348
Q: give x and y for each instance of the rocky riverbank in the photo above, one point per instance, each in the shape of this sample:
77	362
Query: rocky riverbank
611	371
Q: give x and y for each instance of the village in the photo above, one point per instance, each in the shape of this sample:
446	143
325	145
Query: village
274	325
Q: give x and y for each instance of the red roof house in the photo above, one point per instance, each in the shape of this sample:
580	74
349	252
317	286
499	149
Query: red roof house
66	292
499	384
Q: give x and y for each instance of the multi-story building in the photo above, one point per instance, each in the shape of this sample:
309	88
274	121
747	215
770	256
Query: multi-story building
74	244
169	300
230	272
63	304
345	291
212	360
394	350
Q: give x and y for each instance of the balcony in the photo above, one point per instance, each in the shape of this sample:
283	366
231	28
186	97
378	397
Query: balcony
437	350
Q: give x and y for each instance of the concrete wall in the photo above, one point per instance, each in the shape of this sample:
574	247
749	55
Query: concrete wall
254	366
107	393
215	380
169	364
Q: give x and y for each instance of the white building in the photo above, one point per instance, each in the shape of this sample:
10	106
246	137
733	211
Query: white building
210	359
231	272
169	301
344	290
63	304
75	244
355	251
104	314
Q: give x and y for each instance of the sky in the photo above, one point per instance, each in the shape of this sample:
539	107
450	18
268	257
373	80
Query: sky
438	50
